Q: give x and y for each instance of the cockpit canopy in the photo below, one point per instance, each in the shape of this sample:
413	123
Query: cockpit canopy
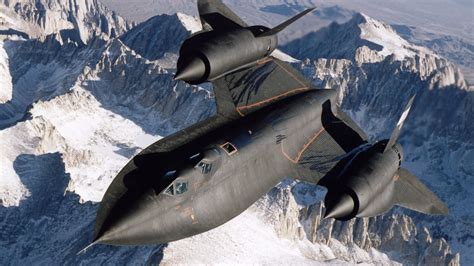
206	163
206	167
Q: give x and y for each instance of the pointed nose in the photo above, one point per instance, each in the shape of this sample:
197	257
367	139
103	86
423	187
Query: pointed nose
139	220
339	207
127	223
191	71
146	218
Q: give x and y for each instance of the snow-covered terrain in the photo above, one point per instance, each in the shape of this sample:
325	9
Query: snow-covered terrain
458	50
78	109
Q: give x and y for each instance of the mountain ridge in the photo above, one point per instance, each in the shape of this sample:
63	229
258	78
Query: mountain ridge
76	20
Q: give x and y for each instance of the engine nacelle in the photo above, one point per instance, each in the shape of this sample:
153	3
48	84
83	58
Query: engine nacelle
209	55
365	187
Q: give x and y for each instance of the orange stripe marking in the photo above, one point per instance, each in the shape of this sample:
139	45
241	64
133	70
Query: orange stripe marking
264	60
302	89
239	109
240	113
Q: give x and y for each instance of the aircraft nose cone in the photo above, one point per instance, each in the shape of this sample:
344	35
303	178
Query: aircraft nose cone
141	217
128	223
339	207
191	71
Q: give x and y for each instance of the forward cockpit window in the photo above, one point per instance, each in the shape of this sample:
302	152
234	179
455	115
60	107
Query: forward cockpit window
170	190
181	187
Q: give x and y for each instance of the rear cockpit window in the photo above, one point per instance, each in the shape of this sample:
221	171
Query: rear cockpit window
206	168
181	187
229	148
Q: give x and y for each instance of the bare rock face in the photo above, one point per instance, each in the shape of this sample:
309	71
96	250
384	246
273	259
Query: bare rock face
150	39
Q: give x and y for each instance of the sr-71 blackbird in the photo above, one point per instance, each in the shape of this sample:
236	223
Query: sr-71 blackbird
271	123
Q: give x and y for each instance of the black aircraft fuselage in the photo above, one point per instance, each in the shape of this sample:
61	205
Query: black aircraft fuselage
221	174
271	123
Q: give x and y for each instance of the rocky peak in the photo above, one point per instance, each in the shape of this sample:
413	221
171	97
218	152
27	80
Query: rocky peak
77	20
335	41
151	38
364	40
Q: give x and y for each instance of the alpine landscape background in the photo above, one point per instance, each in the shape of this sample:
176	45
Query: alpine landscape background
83	90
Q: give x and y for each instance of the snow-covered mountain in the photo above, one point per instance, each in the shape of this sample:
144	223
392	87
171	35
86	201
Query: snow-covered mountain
458	50
76	110
78	20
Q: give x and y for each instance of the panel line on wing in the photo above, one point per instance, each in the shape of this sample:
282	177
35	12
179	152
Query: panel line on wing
303	149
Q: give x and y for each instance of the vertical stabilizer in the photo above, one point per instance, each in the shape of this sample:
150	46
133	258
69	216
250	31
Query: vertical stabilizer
398	128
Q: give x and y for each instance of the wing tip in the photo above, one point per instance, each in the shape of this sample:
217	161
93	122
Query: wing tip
431	203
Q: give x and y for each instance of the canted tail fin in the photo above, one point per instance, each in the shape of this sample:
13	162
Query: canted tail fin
412	194
285	24
398	128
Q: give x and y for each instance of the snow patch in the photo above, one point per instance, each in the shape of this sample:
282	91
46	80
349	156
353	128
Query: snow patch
89	137
6	85
192	24
12	191
380	33
243	240
96	131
